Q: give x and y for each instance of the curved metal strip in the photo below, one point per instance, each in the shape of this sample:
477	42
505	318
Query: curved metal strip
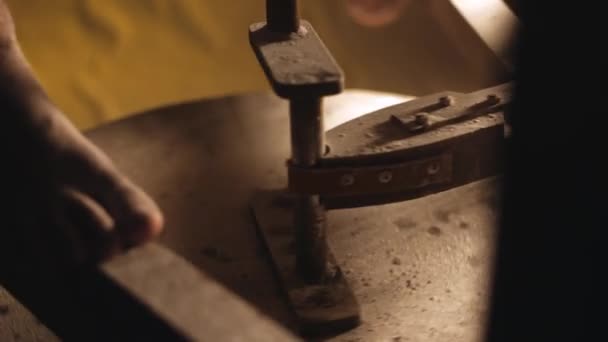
385	156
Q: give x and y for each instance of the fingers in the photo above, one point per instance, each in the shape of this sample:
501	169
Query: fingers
88	228
82	232
136	217
80	165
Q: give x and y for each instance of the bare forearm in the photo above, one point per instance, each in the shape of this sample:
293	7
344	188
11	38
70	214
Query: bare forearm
7	27
21	95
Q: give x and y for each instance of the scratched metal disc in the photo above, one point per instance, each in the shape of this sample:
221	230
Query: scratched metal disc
418	268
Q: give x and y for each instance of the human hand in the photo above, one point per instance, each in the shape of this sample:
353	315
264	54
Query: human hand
65	195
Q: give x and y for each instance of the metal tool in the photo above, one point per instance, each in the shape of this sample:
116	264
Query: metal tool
301	69
398	153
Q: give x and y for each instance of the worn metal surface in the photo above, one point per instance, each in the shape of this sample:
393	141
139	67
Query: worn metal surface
296	64
395	164
203	161
320	307
419	268
423	121
377	133
148	293
300	68
380	155
460	144
19	324
377	179
190	301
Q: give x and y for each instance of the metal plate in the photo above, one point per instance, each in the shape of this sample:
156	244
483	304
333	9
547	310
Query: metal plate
297	63
377	179
326	308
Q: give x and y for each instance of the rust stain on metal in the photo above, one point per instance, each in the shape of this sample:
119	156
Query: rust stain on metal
371	179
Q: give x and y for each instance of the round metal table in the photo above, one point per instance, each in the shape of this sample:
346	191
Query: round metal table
418	268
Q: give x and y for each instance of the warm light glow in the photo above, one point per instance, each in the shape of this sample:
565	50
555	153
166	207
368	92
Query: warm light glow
355	103
493	21
374	13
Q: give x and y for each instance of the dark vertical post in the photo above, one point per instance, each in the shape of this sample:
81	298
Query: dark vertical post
307	141
282	15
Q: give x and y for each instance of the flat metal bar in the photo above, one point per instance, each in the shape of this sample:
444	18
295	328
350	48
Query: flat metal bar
372	160
378	179
425	121
149	293
296	64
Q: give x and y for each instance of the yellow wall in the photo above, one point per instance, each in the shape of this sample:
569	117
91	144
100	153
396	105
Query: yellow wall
103	59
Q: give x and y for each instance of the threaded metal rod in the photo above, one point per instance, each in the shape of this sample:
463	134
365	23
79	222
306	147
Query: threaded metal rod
307	130
308	146
282	15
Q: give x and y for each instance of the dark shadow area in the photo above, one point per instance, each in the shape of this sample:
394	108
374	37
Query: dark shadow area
549	245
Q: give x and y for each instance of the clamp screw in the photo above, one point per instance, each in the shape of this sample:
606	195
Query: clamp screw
385	177
347	180
421	122
493	99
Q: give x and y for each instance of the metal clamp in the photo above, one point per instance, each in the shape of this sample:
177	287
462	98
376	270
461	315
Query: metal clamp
370	180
